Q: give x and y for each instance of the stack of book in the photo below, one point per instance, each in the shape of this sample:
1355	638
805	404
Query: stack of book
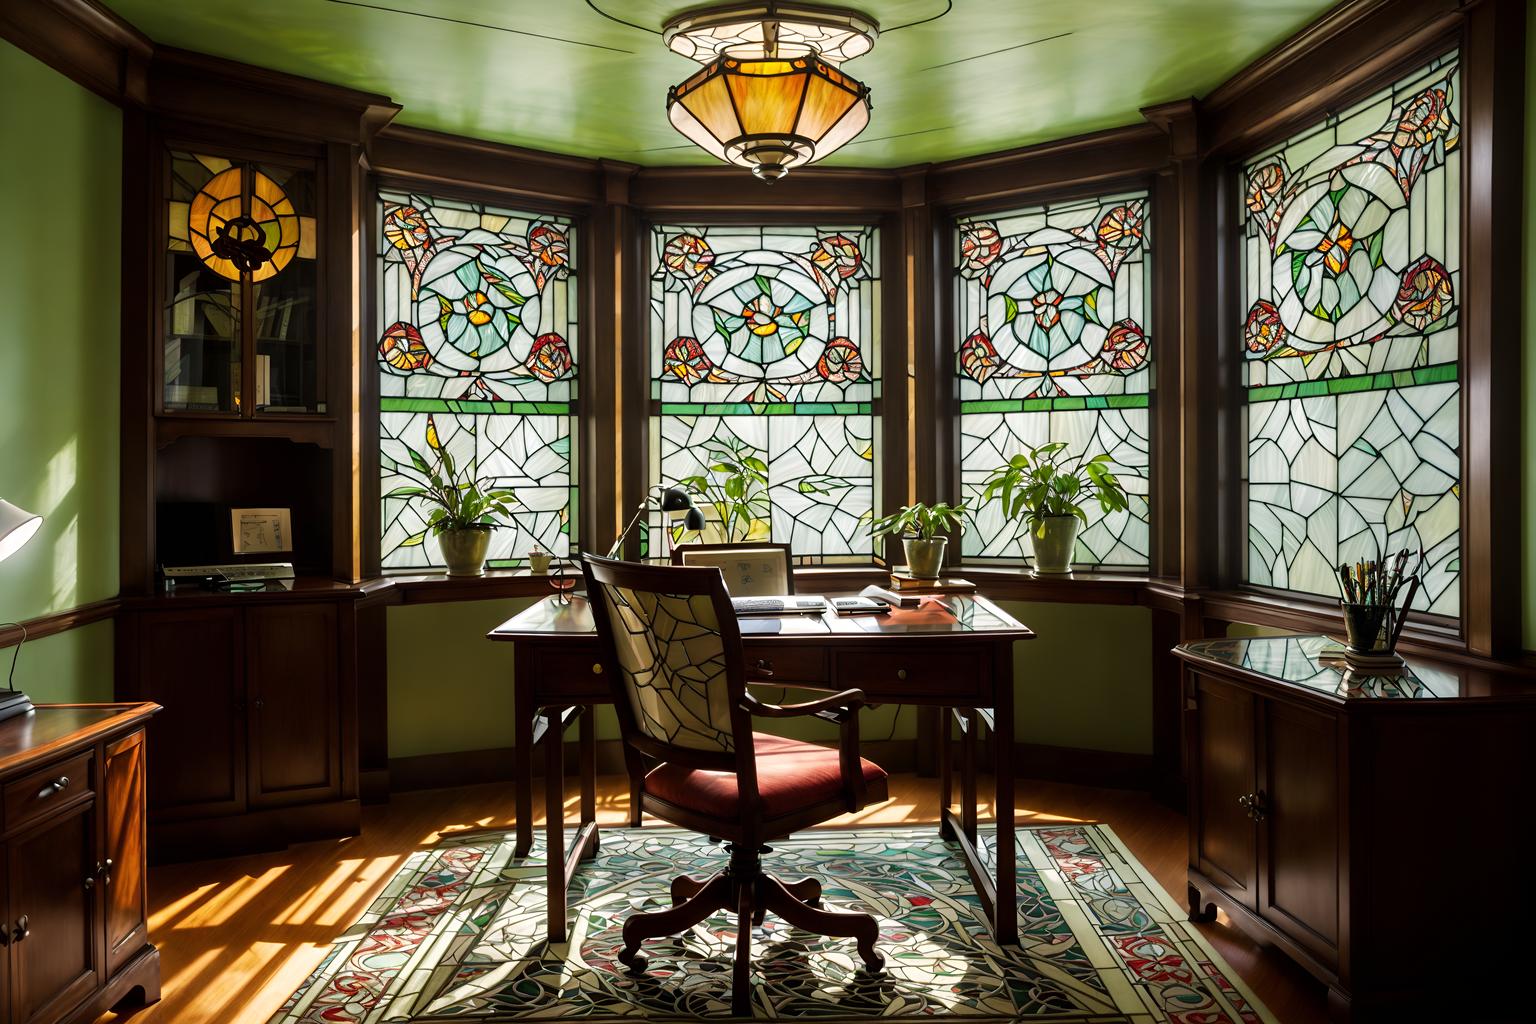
905	582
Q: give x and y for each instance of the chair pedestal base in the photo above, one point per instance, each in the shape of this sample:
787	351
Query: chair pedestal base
751	894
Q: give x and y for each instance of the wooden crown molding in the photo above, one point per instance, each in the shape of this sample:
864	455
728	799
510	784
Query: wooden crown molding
728	189
1324	65
417	154
82	40
196	87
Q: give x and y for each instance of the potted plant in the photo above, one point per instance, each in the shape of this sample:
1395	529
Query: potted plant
1048	496
464	511
919	527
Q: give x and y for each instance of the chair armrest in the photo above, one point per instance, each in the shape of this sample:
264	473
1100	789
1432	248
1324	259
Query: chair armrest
835	708
841	708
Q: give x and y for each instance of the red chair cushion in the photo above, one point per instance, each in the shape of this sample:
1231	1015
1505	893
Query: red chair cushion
791	776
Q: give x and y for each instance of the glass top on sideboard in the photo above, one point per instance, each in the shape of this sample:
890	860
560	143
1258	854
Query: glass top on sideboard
1295	660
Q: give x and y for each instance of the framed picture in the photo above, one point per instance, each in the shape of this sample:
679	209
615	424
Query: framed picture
260	531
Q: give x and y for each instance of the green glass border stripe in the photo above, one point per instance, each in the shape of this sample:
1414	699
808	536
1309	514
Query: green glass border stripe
1440	373
1063	403
766	409
467	407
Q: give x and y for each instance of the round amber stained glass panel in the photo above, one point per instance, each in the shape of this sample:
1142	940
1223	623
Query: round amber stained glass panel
231	241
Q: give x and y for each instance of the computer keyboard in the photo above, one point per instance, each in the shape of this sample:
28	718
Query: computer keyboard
778	605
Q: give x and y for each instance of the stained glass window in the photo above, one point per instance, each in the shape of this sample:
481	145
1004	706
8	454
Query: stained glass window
763	358
1351	283
241	264
477	357
1053	344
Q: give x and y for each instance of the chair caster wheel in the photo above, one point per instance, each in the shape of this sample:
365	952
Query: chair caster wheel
634	960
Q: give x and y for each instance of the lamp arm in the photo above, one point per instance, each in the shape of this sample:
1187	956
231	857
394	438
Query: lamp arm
645	504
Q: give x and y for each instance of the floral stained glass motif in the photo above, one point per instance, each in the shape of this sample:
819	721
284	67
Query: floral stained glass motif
763	352
1351	286
1054	343
477	357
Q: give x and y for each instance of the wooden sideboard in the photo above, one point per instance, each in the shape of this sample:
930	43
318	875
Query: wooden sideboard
1372	827
74	924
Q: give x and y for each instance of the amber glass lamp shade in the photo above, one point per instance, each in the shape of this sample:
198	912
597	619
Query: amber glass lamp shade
769	115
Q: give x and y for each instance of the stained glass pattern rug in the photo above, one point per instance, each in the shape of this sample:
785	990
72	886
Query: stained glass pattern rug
457	935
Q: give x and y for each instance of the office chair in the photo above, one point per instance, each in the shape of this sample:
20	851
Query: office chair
750	568
672	651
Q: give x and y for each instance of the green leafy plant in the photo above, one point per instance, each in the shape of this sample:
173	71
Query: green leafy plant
1035	486
458	499
920	521
736	487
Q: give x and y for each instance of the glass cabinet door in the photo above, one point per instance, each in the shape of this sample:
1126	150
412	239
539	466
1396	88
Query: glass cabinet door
240	324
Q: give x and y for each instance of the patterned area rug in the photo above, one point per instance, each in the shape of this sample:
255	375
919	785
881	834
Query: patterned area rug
457	936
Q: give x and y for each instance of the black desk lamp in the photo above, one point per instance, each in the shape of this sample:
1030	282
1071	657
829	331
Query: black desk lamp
673	501
16	528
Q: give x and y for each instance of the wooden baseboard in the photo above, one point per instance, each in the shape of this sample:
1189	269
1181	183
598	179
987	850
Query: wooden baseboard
261	831
1035	761
1109	768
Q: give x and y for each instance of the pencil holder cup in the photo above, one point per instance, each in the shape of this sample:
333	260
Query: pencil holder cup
1368	628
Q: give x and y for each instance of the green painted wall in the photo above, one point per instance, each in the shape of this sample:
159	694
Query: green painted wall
1086	679
61	203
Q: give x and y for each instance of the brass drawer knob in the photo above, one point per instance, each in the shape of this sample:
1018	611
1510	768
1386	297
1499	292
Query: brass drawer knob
53	788
597	668
901	673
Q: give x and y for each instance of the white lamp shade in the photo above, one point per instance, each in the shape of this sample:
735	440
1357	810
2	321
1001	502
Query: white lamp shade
17	526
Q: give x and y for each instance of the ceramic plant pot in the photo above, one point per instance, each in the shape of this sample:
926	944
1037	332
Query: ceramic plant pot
925	558
1053	541
464	550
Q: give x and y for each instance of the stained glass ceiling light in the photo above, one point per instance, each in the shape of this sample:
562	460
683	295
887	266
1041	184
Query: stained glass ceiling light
770	29
769	97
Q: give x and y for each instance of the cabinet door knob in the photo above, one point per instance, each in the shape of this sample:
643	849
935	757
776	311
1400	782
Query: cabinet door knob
23	929
53	788
901	673
258	703
597	668
90	883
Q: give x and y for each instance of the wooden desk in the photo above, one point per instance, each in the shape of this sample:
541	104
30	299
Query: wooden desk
955	653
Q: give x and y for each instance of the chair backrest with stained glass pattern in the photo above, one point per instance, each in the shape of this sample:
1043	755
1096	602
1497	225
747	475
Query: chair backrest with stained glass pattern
671	644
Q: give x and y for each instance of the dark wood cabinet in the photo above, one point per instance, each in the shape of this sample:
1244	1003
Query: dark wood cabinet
190	663
74	936
1344	817
51	877
293	704
258	742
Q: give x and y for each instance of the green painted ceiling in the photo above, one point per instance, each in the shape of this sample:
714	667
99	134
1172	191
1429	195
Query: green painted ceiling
556	75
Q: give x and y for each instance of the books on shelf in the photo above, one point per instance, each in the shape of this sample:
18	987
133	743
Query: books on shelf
943	585
192	396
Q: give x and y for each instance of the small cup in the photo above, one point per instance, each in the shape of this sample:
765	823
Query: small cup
538	562
1368	628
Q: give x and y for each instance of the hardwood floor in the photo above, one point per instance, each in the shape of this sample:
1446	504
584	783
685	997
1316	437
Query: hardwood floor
238	935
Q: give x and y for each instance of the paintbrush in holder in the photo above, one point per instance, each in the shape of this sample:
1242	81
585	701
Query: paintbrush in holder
1373	616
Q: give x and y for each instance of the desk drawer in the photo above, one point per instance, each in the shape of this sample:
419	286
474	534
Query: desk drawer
572	674
956	677
790	665
34	796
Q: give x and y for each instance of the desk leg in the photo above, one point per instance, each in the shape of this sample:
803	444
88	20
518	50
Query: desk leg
554	822
1006	927
946	781
588	727
523	715
969	726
